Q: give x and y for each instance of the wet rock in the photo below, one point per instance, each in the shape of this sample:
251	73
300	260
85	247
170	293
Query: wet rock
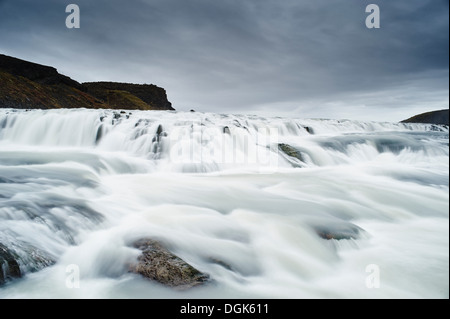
439	128
160	133
19	258
34	259
309	129
159	130
291	151
157	263
226	130
9	267
340	232
99	135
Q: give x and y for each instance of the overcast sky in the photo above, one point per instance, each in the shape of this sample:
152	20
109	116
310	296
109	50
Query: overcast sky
298	58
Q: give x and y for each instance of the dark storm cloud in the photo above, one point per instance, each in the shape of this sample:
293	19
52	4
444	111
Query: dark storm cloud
244	55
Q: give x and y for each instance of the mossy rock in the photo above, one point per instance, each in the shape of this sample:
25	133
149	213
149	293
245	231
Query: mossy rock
291	151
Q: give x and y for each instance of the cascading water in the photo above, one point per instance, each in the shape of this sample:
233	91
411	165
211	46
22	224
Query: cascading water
268	207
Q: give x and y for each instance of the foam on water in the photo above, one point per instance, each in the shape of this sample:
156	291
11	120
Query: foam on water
79	186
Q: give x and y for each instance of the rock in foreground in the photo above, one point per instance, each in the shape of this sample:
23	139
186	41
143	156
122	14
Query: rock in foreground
9	267
159	264
21	258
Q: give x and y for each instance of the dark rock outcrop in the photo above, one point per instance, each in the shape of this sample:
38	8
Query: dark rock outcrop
27	85
35	72
22	93
157	263
9	267
21	258
436	117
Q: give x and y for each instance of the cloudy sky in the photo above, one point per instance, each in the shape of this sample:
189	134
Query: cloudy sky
297	58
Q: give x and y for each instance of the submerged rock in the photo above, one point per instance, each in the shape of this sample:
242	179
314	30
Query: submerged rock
226	130
99	135
220	263
350	231
159	264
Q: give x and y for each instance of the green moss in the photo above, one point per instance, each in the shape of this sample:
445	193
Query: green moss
119	99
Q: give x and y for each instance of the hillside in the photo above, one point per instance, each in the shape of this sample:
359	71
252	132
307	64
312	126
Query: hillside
435	117
27	85
118	95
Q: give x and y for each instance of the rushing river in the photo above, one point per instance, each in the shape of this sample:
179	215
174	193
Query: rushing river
248	200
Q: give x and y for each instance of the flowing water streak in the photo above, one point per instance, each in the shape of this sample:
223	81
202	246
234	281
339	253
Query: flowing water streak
245	199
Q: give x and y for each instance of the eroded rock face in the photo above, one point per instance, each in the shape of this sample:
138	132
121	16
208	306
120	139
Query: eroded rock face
157	263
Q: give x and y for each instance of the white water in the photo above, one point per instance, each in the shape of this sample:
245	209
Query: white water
82	185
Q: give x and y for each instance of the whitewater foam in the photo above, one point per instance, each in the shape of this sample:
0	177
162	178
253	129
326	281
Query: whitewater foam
79	186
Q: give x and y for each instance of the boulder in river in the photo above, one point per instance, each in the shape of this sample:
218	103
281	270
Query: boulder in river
291	152
342	231
20	258
157	263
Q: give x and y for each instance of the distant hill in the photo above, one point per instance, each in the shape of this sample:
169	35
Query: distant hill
435	117
27	85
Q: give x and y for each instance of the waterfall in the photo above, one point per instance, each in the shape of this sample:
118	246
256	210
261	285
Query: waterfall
267	207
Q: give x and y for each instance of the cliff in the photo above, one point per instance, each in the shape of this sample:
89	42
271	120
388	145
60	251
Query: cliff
27	85
435	117
118	95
